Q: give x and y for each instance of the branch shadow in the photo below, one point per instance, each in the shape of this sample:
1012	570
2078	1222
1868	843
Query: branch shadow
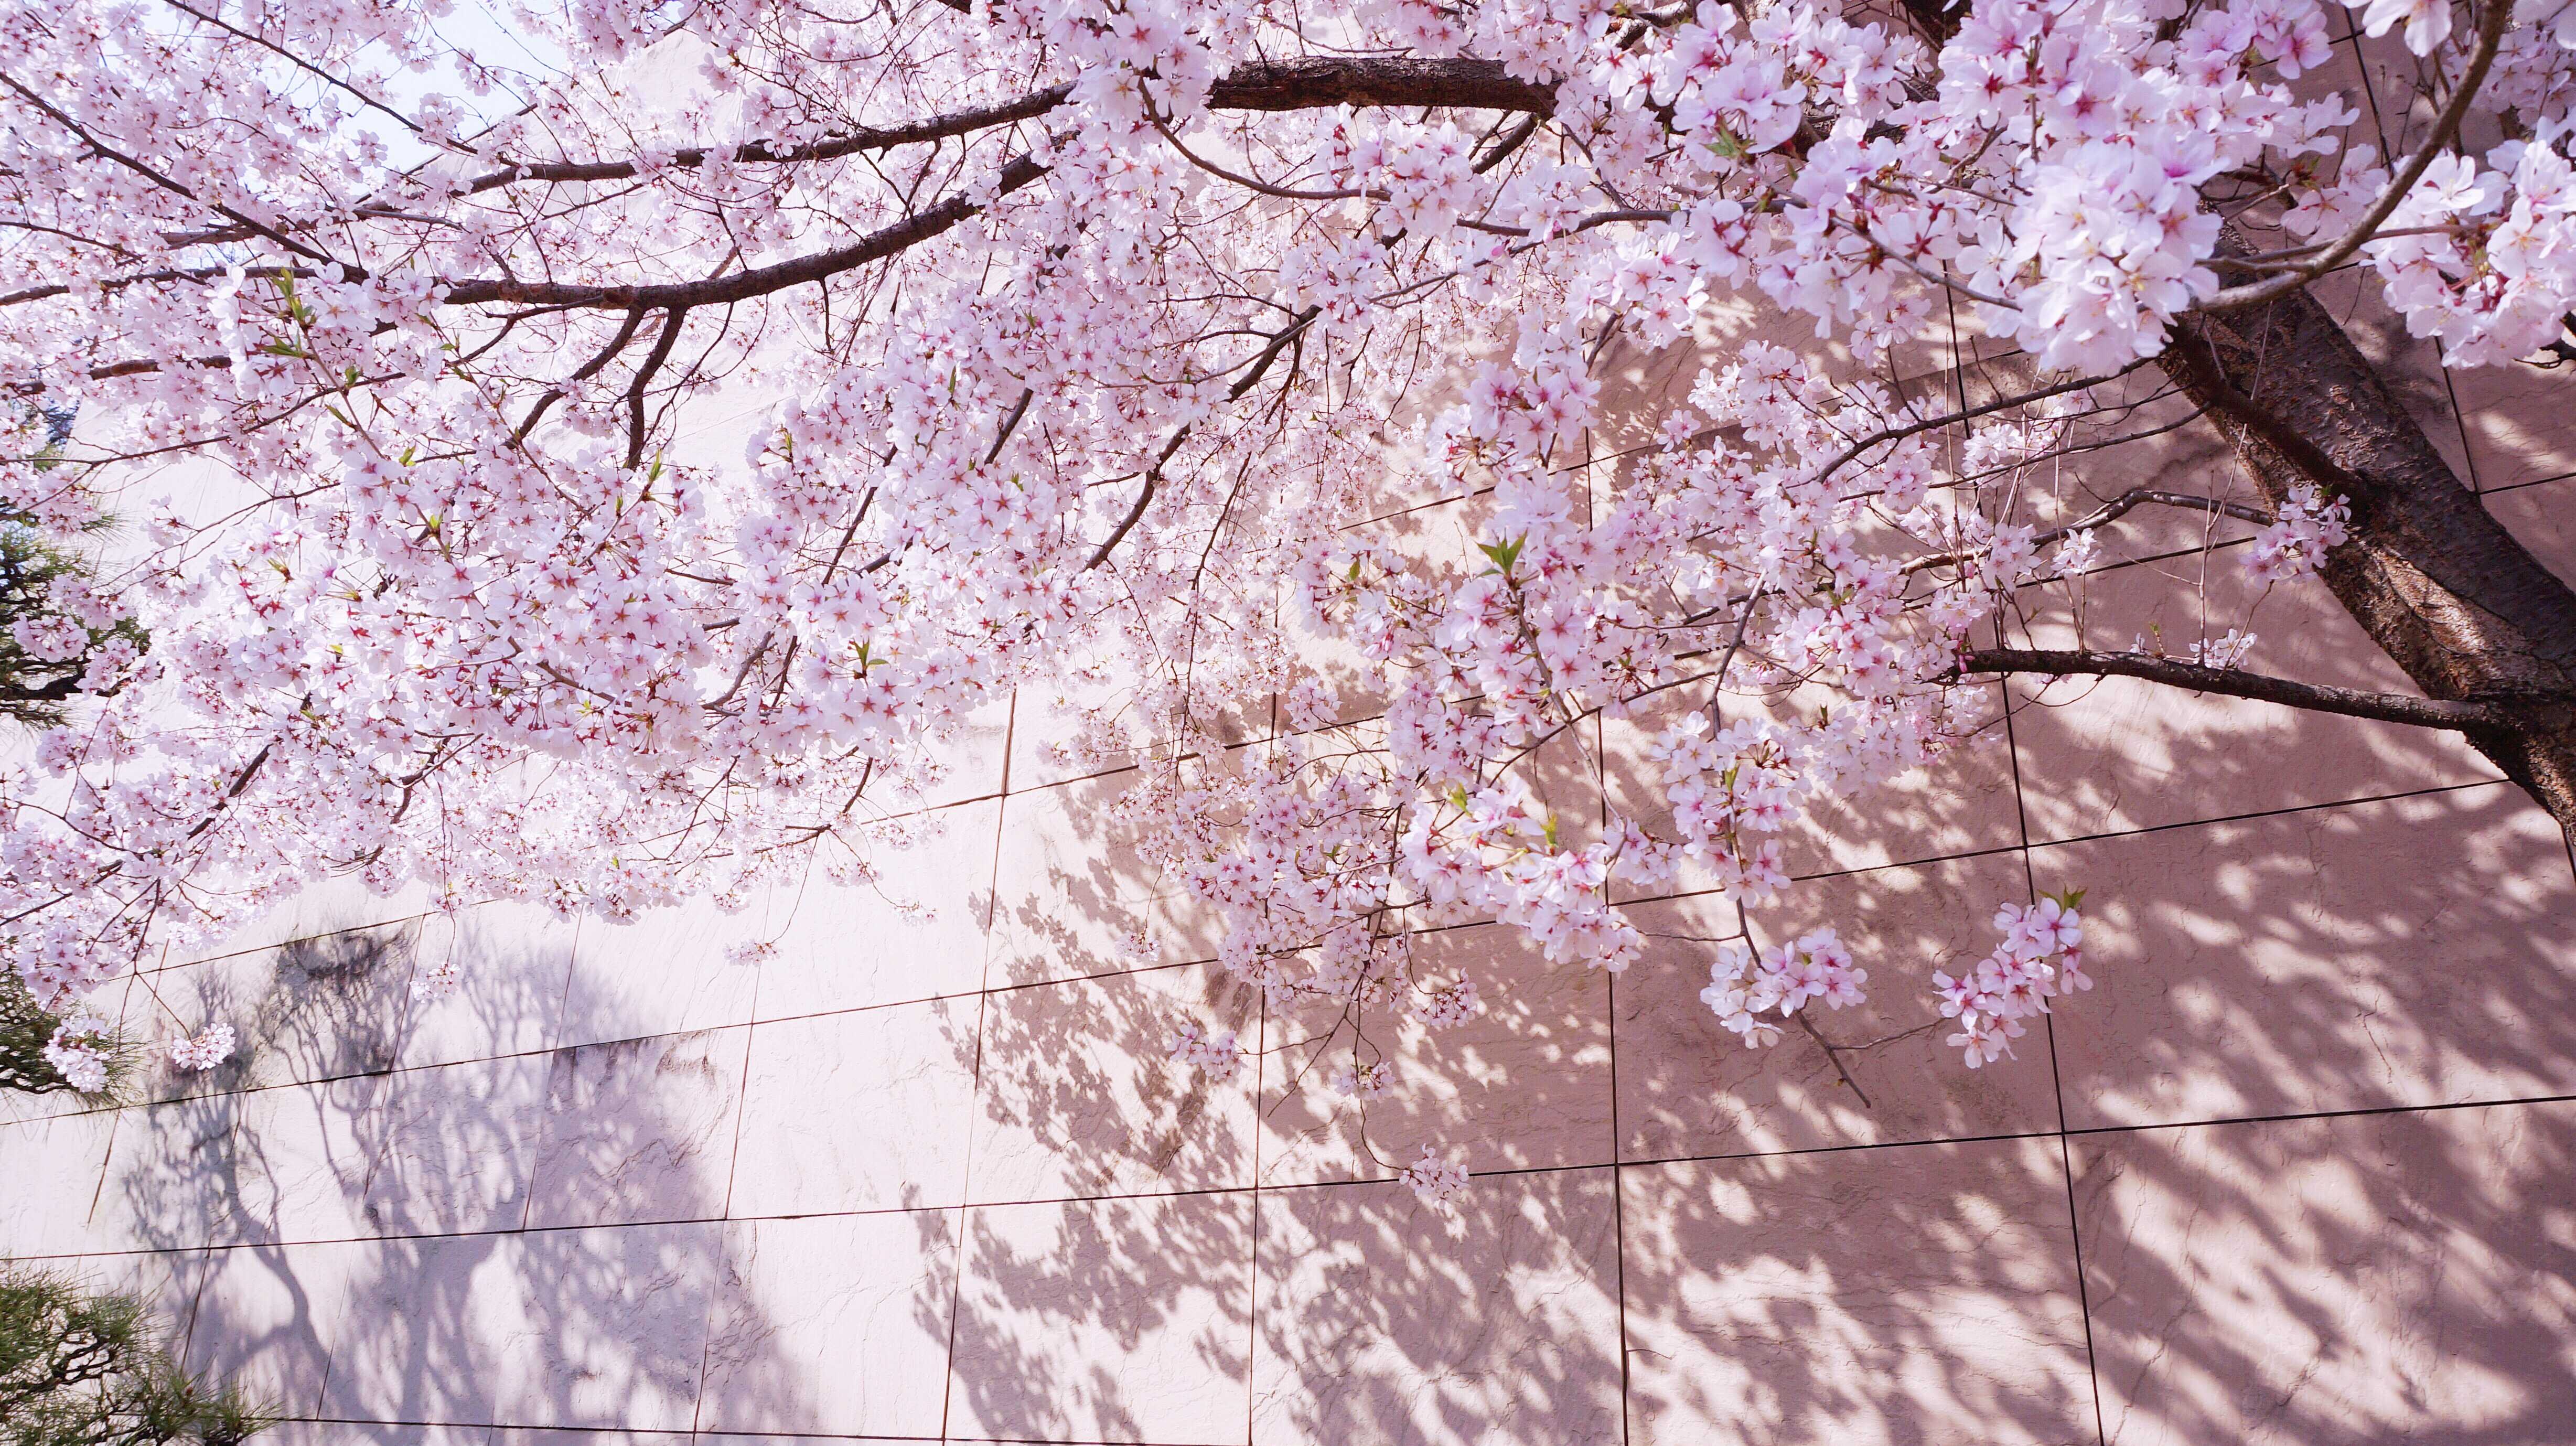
528	1239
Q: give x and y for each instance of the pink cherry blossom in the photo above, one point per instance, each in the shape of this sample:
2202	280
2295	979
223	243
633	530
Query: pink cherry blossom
618	485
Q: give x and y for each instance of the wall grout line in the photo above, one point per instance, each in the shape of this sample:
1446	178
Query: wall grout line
2056	1076
975	1094
1615	1165
1610	1007
318	1419
725	1238
2366	800
1650	1162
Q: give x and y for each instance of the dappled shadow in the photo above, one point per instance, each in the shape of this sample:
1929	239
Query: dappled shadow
2359	1279
1920	1293
1076	1099
1130	1314
2395	1275
520	1239
2401	952
1494	1319
311	1009
1117	1319
1866	1244
2258	1281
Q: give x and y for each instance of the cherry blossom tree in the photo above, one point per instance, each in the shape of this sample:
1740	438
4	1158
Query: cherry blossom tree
1090	331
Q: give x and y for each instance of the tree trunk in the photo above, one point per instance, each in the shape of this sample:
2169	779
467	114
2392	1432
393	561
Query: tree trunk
2461	605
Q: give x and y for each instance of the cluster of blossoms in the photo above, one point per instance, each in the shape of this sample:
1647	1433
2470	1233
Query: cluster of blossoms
1216	1053
437	981
2305	528
203	1050
1745	984
613	486
1447	1006
2224	651
2040	958
1434	1177
1366	1081
80	1051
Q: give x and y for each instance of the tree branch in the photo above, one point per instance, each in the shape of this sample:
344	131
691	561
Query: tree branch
2458	717
1969	414
760	152
2491	27
2109	512
759	281
1463	82
1310	84
1154	474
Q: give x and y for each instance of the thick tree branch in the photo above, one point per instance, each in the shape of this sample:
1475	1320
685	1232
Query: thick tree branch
2451	595
1318	83
921	226
2235	683
1461	82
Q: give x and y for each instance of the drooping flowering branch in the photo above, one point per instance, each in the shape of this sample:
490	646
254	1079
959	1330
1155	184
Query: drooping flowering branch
1088	339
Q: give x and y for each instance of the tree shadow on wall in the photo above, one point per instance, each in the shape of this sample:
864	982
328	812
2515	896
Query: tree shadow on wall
530	1239
2336	1281
2365	1278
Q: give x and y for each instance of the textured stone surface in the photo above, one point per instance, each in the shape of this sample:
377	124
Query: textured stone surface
2402	1276
2408	952
1384	1320
1918	1294
860	1111
512	963
1527	1083
54	1174
338	907
639	1129
1072	895
1076	1098
377	1433
836	1324
458	1147
674	970
301	1155
550	1262
1104	1320
920	929
171	1182
2542	518
2517	424
2108	755
314	1009
266	1317
1687	1086
601	1327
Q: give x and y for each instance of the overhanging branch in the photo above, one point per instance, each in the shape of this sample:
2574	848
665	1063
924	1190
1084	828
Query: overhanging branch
1459	82
760	281
2458	717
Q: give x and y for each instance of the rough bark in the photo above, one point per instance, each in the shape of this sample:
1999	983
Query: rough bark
2461	605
